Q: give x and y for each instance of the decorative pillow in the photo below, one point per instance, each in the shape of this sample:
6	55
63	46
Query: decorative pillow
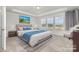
20	28
26	28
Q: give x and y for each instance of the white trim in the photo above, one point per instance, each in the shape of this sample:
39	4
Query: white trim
4	27
43	14
46	13
54	11
19	11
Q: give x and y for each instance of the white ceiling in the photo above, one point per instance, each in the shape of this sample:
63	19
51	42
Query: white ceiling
33	11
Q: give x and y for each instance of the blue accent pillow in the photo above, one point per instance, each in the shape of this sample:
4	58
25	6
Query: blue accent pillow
26	28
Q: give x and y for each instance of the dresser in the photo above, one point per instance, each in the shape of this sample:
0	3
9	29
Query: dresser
12	33
76	41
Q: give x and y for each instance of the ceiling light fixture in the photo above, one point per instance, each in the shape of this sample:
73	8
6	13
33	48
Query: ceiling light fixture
37	7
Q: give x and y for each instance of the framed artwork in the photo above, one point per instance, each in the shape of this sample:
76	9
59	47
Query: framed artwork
24	19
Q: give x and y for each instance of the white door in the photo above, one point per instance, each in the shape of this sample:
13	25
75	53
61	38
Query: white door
0	28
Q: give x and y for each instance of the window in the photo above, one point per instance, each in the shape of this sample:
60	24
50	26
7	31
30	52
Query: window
53	22
59	22
43	22
50	23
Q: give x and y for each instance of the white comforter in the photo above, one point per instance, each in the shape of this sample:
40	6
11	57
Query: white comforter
36	37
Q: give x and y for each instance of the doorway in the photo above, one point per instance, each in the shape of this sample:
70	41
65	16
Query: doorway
2	27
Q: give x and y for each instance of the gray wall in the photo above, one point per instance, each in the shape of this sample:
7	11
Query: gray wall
13	19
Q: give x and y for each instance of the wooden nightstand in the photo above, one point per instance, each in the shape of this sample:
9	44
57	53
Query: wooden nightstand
76	41
12	33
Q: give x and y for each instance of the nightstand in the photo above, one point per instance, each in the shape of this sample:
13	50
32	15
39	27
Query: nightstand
12	33
76	41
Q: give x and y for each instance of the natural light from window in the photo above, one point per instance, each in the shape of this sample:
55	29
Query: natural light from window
53	22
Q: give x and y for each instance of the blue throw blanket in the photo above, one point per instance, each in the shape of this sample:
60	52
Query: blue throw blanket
28	35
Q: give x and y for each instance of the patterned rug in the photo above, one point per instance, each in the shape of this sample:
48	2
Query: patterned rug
55	44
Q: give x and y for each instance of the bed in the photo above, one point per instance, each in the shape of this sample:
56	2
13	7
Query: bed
34	37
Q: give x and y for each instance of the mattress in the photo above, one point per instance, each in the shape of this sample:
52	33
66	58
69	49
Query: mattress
38	37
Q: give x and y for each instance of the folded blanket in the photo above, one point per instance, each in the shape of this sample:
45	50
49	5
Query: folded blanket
28	35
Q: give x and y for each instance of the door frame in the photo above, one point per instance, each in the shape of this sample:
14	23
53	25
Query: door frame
3	29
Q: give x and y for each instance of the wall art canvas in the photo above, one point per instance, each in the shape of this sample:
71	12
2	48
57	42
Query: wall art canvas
24	19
